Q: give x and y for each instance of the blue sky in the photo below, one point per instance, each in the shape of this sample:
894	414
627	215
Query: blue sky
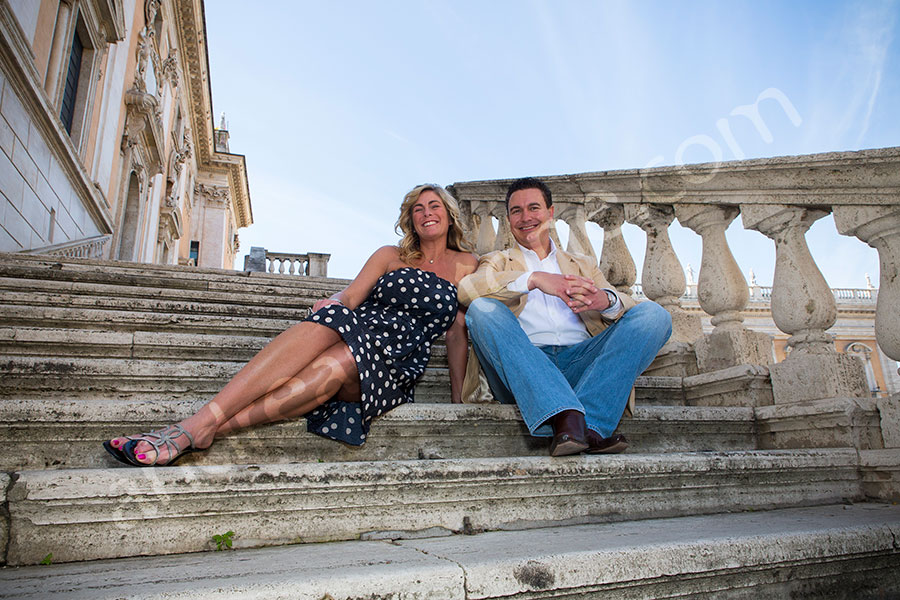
341	107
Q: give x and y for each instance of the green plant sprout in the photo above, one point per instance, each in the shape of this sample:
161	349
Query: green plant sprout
47	559
223	541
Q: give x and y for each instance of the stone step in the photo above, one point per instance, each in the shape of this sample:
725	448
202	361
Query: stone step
154	275
37	300
255	296
42	434
87	514
834	551
155	345
53	374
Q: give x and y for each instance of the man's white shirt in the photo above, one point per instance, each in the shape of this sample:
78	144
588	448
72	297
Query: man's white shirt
546	319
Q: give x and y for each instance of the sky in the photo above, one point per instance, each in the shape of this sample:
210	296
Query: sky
341	107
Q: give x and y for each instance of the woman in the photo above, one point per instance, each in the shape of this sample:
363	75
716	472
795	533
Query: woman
356	356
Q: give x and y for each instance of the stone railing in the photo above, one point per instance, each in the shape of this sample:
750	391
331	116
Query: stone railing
763	293
311	264
91	247
778	197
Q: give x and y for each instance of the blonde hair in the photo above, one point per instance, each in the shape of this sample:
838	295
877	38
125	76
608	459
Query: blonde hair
409	245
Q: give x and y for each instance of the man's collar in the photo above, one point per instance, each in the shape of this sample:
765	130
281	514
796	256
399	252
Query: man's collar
535	254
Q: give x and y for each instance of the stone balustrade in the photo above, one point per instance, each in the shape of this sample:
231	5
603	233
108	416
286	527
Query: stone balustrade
91	247
763	293
778	197
311	264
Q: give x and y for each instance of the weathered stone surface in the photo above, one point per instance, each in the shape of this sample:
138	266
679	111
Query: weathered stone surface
808	376
790	553
880	471
675	359
831	423
742	385
723	348
39	434
889	412
84	514
827	551
4	516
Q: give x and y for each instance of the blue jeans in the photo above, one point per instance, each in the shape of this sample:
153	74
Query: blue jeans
594	377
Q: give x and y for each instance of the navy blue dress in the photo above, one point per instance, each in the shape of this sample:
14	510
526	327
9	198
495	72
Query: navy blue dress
390	335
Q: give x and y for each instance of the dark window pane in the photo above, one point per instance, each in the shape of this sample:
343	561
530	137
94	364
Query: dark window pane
67	114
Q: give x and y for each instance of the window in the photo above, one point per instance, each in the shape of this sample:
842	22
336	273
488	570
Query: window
195	251
70	91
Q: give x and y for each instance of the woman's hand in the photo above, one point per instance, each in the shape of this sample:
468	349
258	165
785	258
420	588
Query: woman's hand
324	302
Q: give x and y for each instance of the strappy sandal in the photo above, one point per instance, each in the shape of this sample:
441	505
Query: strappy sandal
117	453
158	439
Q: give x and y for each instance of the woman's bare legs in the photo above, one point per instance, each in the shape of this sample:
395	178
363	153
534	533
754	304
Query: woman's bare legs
294	371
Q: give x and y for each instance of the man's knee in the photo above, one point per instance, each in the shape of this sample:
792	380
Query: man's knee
655	318
482	311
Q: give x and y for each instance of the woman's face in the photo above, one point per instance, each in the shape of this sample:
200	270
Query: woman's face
429	216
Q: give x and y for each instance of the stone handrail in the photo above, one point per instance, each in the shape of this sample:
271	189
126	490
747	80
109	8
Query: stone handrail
91	247
780	198
311	264
763	293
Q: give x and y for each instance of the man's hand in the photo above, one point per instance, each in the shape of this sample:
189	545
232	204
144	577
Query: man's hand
584	295
579	293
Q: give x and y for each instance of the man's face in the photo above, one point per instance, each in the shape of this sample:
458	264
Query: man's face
529	218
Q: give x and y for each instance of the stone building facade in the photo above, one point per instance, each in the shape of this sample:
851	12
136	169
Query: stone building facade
108	143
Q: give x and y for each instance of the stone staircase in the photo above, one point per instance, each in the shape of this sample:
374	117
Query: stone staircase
443	501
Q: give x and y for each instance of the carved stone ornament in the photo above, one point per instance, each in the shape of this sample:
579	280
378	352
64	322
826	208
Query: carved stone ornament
143	56
150	10
218	194
170	68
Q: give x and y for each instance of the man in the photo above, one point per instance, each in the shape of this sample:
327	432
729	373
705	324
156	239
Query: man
553	335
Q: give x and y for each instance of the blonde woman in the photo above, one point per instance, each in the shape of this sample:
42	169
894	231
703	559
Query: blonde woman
356	356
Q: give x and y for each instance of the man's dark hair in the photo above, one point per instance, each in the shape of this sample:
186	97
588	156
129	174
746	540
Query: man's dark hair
529	183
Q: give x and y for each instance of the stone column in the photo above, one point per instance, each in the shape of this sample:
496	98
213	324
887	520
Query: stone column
255	261
486	236
573	216
317	264
803	307
879	226
504	233
662	279
616	261
722	292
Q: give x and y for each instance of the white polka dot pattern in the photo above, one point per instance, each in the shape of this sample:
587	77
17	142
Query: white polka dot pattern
410	317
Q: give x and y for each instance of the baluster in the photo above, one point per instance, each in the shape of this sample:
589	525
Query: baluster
803	307
504	237
271	265
486	235
662	277
879	227
722	292
573	216
616	261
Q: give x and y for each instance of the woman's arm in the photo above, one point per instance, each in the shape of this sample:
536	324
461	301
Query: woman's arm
354	294
458	335
457	355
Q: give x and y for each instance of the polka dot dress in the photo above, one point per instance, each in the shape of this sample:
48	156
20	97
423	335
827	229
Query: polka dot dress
390	335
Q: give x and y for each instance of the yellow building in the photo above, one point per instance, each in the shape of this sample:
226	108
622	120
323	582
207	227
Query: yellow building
108	142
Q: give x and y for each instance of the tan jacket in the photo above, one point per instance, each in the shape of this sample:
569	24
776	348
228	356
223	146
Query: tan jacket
496	271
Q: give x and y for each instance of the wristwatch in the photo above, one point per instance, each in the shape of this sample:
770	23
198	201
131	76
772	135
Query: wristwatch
611	296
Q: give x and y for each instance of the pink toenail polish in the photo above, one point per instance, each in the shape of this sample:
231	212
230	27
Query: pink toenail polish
141	456
115	443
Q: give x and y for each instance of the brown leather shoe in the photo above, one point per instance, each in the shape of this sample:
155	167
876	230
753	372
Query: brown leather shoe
598	444
568	433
